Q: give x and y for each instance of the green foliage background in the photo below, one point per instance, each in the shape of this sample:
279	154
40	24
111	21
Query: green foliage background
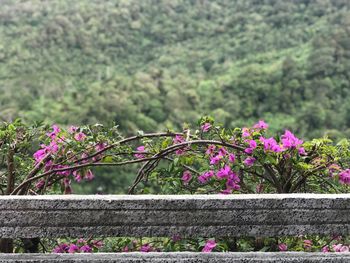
156	63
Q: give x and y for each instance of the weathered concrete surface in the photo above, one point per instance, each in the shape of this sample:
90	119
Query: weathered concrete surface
180	257
198	215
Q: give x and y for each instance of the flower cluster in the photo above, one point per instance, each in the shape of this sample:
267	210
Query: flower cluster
57	149
80	246
209	246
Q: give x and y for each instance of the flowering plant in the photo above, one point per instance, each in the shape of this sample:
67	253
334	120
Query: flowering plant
204	160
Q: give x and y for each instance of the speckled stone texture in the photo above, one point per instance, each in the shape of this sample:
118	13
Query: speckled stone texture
195	215
182	257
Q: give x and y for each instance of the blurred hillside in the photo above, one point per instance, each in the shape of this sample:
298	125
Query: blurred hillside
155	63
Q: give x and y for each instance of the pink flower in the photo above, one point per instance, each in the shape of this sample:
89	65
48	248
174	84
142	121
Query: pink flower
89	175
223	151
210	150
77	176
86	249
261	125
80	136
289	140
146	248
73	248
231	158
126	249
245	132
259	188
209	246
340	248
282	247
252	146
270	144
100	146
62	248
140	150
216	159
186	177
224	172
205	177
40	184
206	127
232	185
178	139
325	249
307	244
72	129
344	177
53	147
249	161
39	155
55	132
302	151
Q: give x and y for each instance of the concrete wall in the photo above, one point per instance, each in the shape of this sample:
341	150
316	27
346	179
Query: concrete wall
183	257
206	216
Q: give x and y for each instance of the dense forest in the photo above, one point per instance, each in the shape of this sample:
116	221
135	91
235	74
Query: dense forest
155	64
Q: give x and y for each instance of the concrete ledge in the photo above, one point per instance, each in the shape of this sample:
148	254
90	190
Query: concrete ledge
195	215
181	257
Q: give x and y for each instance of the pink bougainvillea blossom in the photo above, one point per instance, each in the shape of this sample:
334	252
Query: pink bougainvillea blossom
62	248
307	244
89	175
140	150
325	249
73	129
77	176
186	177
178	139
261	125
86	249
215	159
270	144
259	188
231	158
39	155
344	177
40	184
282	247
232	185
73	248
290	141
210	150
252	146
209	246
55	132
205	177
100	146
223	151
245	132
80	136
224	172
302	151
340	248
206	127
146	248
249	161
